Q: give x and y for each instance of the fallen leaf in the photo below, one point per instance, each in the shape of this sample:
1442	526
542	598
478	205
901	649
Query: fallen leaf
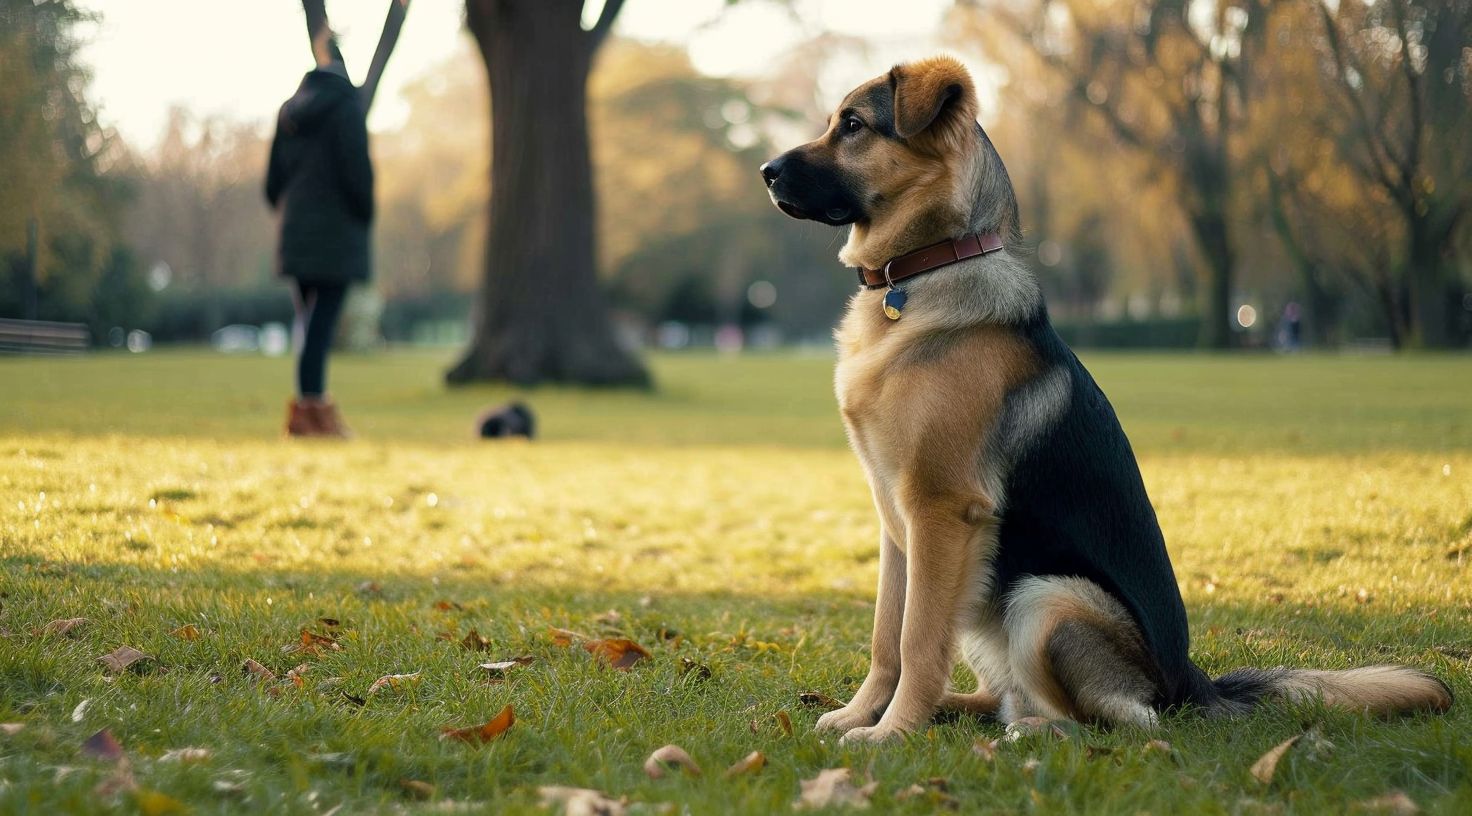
80	711
669	756
784	722
394	681
1267	765
817	699
582	801
751	763
257	671
692	669
354	699
935	792
480	734
476	642
330	623
11	729
1395	802
1031	726
311	643
833	787
63	626
186	755
447	606
417	789
986	750
564	637
497	671
369	588
296	675
620	653
186	632
119	659
103	745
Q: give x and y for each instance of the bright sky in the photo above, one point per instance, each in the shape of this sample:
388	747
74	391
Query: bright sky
242	59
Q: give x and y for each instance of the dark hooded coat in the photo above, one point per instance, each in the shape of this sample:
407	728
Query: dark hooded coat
320	180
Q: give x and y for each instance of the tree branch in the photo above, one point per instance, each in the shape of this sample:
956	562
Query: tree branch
397	10
316	11
599	32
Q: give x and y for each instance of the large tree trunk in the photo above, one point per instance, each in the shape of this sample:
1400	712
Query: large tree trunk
1213	236
1429	291
540	314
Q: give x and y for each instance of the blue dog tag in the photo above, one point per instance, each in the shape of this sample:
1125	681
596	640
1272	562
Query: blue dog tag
894	303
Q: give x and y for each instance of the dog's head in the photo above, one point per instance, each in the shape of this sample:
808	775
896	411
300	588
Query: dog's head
896	150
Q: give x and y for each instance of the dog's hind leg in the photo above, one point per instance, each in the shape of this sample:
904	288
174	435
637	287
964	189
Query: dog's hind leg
1076	654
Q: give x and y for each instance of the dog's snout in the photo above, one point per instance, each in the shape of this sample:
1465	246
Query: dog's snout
772	169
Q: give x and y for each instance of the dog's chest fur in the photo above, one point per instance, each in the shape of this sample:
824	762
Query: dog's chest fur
920	401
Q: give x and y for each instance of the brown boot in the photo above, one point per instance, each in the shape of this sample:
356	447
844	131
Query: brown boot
326	419
300	419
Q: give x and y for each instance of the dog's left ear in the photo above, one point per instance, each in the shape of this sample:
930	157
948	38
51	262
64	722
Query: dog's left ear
930	93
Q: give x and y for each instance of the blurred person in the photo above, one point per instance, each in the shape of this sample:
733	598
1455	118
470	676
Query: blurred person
1290	329
320	183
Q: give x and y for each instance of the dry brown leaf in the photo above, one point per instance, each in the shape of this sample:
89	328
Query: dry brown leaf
480	734
187	755
817	699
296	675
620	653
692	669
564	637
257	671
582	801
476	642
1267	765
496	672
1395	803
751	763
394	681
119	659
833	787
417	789
11	729
935	792
986	750
311	643
784	722
63	626
448	606
669	756
186	632
103	745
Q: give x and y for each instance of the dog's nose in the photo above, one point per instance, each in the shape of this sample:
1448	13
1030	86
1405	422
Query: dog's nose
772	169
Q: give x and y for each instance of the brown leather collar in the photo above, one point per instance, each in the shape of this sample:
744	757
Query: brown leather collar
929	258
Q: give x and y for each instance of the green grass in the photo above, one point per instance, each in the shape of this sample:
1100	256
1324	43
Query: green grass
1318	509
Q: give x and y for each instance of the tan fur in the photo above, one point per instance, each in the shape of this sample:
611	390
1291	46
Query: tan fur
1381	690
935	104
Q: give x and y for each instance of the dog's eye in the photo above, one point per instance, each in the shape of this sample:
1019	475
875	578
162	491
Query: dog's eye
852	125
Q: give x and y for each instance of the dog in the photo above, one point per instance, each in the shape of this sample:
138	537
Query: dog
1015	526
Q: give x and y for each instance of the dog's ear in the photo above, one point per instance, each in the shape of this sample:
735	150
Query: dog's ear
929	93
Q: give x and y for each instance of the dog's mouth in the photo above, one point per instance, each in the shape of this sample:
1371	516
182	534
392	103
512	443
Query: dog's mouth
833	217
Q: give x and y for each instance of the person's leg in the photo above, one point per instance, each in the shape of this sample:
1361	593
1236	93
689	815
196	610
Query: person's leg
324	306
303	296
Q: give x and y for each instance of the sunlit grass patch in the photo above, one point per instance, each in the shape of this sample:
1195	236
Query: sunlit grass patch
746	556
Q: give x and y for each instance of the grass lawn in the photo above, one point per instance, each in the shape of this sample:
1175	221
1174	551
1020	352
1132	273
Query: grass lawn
1318	510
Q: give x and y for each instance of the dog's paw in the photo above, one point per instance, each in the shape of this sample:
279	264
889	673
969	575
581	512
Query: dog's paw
845	719
871	735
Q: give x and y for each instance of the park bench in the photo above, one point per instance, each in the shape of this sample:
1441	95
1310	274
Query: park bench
42	337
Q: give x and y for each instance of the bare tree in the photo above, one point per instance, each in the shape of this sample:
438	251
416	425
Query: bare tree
540	314
1400	93
1168	83
316	13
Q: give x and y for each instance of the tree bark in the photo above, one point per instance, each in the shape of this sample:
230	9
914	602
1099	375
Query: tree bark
540	314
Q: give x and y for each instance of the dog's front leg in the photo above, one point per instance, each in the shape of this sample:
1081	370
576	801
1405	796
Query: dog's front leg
940	561
873	696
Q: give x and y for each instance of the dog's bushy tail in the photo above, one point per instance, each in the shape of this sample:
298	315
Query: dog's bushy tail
1381	690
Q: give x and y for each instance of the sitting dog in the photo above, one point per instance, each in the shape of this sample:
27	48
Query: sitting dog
1015	527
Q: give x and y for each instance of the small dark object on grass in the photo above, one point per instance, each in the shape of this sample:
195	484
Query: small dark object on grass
514	419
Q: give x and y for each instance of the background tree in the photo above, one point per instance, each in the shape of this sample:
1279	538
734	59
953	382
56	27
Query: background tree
540	314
